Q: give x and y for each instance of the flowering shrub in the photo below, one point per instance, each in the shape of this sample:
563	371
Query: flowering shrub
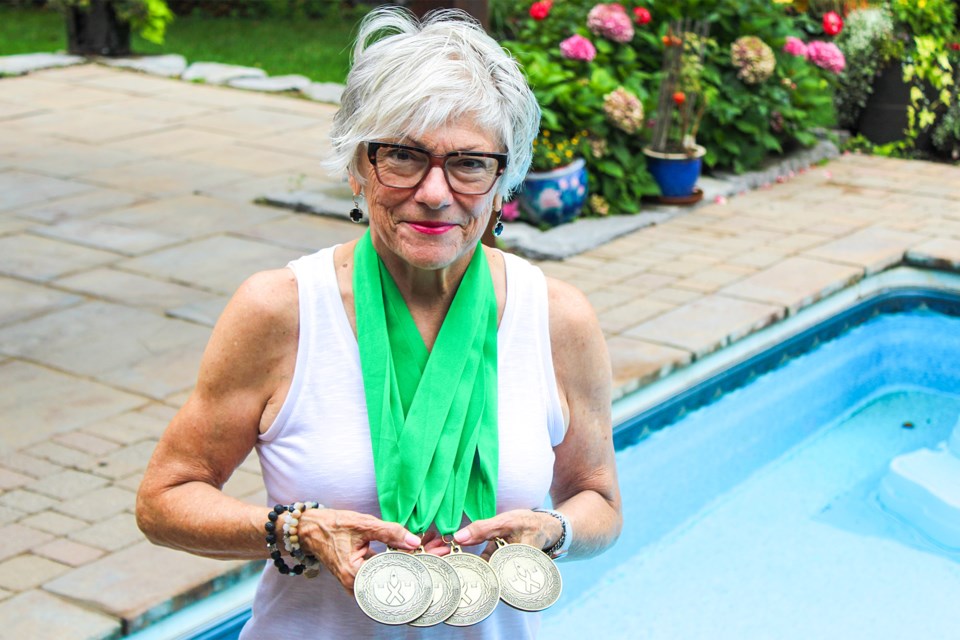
832	23
753	59
624	110
541	9
610	21
576	47
795	47
579	54
826	55
868	44
552	151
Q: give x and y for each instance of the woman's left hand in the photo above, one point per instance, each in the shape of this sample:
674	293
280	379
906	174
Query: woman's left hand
540	530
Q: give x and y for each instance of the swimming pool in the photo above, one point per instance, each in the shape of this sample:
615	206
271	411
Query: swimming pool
749	495
757	515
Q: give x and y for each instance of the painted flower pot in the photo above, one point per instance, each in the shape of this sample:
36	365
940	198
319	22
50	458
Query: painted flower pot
675	173
554	197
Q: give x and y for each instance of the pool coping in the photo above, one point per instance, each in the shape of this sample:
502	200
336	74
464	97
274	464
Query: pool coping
632	405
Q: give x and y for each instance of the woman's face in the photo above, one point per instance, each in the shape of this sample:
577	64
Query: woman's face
430	227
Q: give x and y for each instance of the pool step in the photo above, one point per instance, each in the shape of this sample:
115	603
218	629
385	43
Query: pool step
923	488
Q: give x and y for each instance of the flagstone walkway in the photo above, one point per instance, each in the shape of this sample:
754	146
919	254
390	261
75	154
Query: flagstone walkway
127	219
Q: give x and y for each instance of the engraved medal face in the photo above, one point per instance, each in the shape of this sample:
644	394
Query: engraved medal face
480	589
529	579
446	591
393	587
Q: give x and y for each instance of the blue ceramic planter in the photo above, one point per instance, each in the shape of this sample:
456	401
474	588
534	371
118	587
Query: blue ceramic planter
554	197
675	173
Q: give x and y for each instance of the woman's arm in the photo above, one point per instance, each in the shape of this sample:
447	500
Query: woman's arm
249	356
244	377
584	487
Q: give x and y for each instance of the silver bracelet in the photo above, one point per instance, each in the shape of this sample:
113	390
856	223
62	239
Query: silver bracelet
560	548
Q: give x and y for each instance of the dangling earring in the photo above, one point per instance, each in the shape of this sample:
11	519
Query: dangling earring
356	215
498	228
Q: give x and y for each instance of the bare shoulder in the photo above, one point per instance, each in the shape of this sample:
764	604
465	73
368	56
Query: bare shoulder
580	358
571	315
256	332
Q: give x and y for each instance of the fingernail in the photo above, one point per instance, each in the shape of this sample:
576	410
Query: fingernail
460	536
412	540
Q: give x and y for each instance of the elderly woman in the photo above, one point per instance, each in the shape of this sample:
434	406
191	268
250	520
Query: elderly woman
413	389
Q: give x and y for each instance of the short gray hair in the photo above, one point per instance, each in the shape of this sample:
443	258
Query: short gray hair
409	77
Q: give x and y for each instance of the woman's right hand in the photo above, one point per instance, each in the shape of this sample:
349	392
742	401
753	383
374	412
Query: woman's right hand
341	539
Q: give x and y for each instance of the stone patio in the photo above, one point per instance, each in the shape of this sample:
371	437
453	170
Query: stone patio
127	219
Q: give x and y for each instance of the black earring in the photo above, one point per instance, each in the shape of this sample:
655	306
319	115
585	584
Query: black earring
356	215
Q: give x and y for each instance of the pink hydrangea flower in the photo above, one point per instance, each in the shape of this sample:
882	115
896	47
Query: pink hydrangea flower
510	211
610	21
826	55
795	47
576	47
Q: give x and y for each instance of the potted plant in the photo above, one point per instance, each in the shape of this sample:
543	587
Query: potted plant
555	188
899	75
674	158
102	27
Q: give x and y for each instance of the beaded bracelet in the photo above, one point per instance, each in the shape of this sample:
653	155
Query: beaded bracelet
307	565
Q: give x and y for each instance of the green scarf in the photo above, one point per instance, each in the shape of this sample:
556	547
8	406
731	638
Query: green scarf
433	414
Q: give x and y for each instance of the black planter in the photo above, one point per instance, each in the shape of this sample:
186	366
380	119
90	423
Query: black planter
97	31
884	117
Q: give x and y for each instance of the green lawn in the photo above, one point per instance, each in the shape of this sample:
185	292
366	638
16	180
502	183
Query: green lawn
318	49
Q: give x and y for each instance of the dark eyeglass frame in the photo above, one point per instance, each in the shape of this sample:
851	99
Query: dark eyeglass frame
435	160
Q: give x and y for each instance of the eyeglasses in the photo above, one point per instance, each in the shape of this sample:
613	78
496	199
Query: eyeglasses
469	173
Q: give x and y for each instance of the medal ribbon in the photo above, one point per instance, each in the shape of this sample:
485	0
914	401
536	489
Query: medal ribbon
433	414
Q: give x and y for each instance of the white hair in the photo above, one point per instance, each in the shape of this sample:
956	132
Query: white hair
409	77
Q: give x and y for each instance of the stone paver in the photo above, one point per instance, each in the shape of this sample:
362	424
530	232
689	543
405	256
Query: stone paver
795	282
121	346
67	485
119	531
636	362
25	614
18	538
99	504
85	204
129	586
190	216
217	264
940	253
68	552
21	300
707	324
27	571
22	188
52	522
43	259
107	236
134	289
38	403
874	249
127	219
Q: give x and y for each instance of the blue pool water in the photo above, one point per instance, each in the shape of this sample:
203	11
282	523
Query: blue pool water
756	516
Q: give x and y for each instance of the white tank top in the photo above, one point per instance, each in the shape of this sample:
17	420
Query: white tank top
318	448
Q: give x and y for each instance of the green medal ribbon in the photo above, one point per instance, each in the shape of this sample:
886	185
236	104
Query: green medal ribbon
433	414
